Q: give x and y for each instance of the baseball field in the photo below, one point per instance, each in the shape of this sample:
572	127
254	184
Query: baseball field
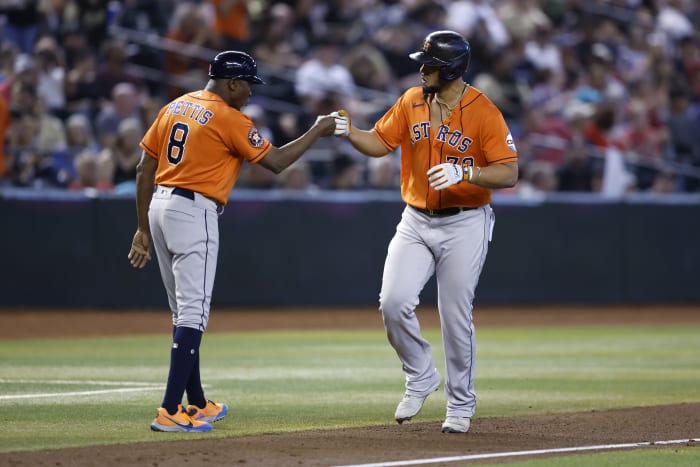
584	386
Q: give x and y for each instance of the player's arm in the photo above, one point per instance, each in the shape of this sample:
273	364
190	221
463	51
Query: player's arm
364	141
444	175
493	176
140	252
278	159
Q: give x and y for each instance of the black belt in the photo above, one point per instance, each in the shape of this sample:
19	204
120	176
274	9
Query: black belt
184	192
442	212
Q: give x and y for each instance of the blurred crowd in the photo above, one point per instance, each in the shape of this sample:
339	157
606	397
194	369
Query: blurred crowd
601	96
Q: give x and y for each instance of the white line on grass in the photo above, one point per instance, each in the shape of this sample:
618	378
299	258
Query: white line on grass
79	393
63	381
523	453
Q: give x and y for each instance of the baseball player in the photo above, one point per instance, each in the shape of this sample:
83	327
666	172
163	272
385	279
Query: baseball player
192	155
455	148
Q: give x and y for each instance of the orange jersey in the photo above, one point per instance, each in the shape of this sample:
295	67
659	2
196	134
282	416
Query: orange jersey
476	134
200	143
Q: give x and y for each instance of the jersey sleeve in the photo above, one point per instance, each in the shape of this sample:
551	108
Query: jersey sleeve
392	127
151	139
247	141
497	142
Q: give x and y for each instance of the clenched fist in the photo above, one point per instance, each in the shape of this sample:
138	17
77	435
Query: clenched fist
444	175
342	123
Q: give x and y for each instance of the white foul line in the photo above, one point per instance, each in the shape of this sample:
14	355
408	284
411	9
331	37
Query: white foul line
523	453
77	393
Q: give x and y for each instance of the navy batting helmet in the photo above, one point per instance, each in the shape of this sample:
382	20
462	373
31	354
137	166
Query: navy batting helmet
447	50
232	64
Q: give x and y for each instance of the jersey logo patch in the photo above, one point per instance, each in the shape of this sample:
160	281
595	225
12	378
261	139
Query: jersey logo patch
254	138
510	142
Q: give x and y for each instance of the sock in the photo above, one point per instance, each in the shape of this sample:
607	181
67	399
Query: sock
195	392
183	356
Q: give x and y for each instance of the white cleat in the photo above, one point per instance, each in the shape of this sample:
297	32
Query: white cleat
456	425
411	405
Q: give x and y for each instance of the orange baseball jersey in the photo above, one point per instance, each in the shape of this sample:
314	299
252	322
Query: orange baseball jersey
201	142
476	134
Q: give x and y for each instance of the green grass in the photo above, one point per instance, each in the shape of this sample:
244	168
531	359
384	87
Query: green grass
285	381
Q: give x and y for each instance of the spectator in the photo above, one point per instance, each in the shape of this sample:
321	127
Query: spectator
114	68
643	142
472	17
231	23
31	166
192	29
51	74
279	44
544	54
321	78
297	177
23	19
347	173
383	173
369	68
522	18
538	179
501	84
664	182
684	134
4	124
83	90
125	103
121	158
577	172
91	175
79	139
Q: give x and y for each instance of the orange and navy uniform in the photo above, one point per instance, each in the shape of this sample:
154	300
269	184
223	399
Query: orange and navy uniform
201	142
476	134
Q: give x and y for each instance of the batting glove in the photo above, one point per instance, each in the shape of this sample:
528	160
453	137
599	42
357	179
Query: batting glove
444	175
342	123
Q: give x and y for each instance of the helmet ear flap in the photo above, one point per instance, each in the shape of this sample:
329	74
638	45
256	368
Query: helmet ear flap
456	69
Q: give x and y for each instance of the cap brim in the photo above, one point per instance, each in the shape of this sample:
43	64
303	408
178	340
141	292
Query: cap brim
424	59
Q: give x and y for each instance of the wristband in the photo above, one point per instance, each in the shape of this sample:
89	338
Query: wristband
468	173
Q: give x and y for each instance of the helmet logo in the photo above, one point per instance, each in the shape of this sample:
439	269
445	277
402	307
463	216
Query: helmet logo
254	138
426	46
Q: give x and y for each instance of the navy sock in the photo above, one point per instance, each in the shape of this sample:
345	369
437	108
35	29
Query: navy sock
183	356
195	392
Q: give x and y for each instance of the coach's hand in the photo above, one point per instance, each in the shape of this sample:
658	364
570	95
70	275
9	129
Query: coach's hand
342	123
140	252
443	175
326	123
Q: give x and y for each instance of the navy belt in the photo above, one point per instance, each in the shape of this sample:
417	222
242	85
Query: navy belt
442	212
184	192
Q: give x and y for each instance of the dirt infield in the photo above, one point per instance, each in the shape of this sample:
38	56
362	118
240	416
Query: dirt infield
371	444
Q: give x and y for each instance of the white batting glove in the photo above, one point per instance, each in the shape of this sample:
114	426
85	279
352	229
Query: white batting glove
342	123
444	175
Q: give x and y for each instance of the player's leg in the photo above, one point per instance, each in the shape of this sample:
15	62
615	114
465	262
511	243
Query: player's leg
408	266
194	266
187	232
459	264
163	255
